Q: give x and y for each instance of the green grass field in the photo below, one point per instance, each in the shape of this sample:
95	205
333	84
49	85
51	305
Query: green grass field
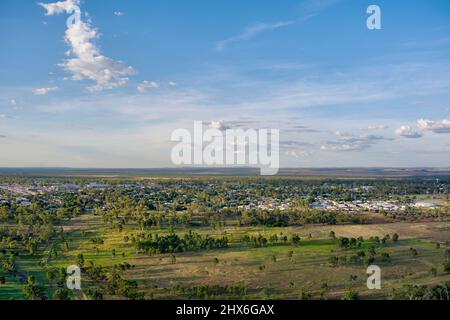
279	271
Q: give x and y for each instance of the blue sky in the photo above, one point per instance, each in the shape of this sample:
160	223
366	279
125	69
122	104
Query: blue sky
341	95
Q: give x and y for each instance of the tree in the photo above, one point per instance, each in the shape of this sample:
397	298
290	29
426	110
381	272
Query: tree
323	290
433	271
94	294
447	266
305	296
385	257
351	294
332	235
333	261
80	260
370	260
395	237
61	294
33	291
4	214
295	239
290	254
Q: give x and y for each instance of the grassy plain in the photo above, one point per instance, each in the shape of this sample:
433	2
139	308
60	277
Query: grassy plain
278	271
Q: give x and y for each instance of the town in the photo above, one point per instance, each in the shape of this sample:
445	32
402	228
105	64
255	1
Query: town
332	197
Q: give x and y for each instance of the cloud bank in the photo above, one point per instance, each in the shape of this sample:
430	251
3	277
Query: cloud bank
348	142
442	126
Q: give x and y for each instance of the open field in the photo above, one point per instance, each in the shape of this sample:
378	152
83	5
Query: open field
273	272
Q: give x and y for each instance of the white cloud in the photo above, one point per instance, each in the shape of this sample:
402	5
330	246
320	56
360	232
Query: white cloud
348	142
252	31
144	85
3	116
342	134
220	125
88	62
13	102
119	13
377	127
173	83
336	146
44	91
60	7
408	132
299	154
434	126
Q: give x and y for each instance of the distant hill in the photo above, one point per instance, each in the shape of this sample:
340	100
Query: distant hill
297	172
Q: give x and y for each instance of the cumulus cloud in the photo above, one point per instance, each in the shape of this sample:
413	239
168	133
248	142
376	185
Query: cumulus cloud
219	125
119	13
434	126
144	85
13	102
44	91
408	132
60	7
87	62
252	31
348	142
173	83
